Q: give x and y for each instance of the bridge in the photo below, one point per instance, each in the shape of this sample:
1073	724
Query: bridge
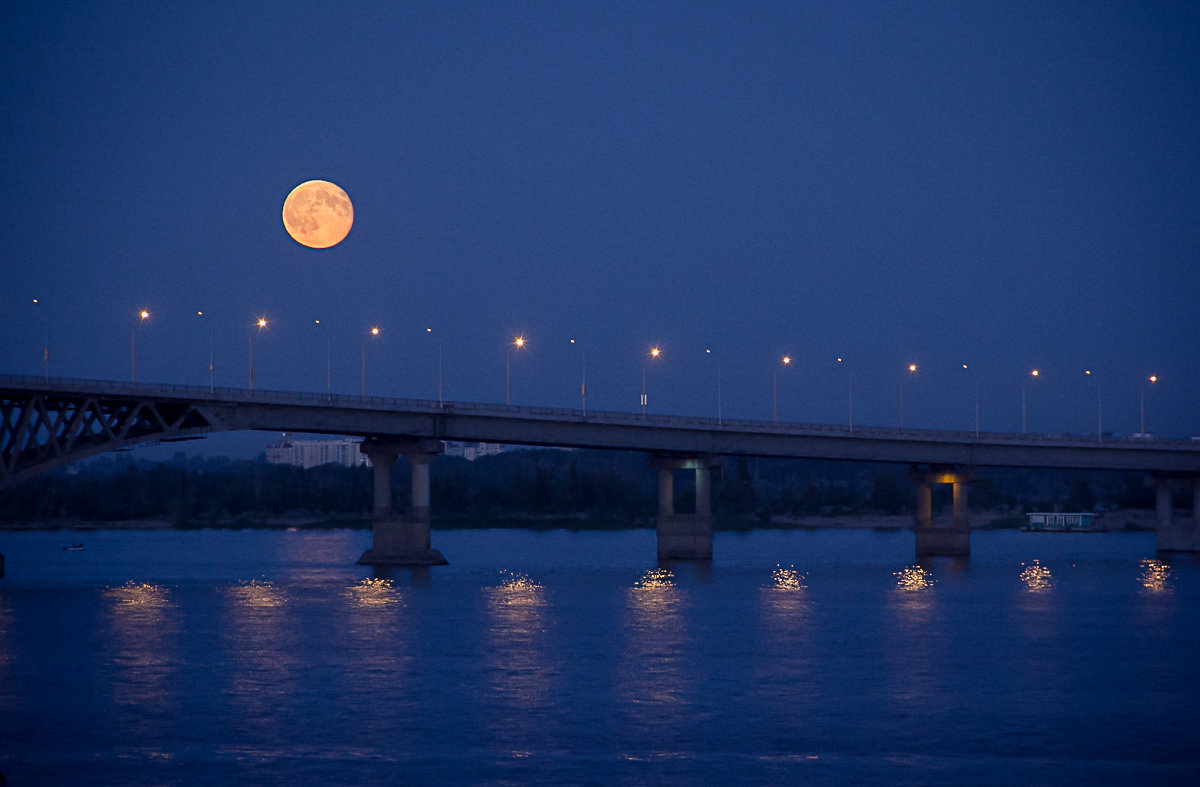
48	422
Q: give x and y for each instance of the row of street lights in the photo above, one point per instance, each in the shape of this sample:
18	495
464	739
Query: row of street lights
653	354
260	323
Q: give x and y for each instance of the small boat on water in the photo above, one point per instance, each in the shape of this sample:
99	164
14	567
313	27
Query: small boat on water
74	548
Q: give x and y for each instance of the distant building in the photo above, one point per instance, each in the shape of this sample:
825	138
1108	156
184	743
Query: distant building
313	453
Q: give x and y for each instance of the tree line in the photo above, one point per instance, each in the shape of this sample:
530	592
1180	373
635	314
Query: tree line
591	488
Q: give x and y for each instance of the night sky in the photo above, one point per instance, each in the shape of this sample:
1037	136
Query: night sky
1004	185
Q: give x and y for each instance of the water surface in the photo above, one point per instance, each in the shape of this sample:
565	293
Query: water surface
207	657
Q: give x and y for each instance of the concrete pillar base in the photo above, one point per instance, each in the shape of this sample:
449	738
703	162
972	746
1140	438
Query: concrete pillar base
398	540
685	537
1178	539
401	542
943	541
427	557
933	541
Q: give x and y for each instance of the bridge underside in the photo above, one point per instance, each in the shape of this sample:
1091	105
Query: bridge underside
42	431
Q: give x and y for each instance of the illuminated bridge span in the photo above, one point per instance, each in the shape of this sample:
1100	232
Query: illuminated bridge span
46	423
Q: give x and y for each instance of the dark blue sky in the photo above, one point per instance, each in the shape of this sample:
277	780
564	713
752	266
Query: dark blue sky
1006	185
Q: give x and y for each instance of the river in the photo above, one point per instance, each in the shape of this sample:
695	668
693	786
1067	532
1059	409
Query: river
816	657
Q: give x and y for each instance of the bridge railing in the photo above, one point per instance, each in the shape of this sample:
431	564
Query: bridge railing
615	418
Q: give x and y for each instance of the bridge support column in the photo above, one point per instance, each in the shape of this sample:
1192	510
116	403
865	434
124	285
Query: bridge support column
924	504
1176	534
961	518
953	540
684	536
401	540
666	492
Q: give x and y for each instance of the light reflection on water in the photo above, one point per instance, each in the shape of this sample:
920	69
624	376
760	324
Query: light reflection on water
913	644
742	674
1155	576
1039	605
378	650
518	674
1036	577
657	642
784	598
144	629
784	675
261	659
788	579
913	579
373	593
256	595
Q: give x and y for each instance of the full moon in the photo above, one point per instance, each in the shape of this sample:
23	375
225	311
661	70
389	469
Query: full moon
318	214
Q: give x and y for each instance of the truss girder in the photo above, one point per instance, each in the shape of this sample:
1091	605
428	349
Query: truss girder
41	431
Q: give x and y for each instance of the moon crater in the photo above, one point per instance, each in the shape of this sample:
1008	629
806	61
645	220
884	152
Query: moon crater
318	214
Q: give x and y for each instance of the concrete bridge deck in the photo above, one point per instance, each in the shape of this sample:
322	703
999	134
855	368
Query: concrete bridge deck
229	409
45	423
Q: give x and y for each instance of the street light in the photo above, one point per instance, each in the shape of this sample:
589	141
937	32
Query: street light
965	367
710	352
583	380
1099	412
1152	379
143	315
429	331
45	340
259	323
518	343
850	392
785	361
200	314
1033	373
654	354
912	369
373	332
328	362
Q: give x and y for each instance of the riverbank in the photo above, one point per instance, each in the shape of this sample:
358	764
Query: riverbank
1122	520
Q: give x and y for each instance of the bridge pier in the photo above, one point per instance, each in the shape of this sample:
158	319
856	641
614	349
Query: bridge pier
684	536
1172	534
401	540
952	540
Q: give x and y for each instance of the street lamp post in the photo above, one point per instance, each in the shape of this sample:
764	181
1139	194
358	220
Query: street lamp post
1152	379
1099	411
654	353
143	315
850	393
964	366
429	331
785	361
260	323
912	369
719	418
328	363
373	332
518	343
45	341
583	381
1033	373
200	314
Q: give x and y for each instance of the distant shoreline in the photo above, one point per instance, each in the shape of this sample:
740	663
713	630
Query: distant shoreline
1131	519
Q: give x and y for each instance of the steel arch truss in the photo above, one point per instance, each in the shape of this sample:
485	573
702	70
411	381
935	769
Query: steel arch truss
42	431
